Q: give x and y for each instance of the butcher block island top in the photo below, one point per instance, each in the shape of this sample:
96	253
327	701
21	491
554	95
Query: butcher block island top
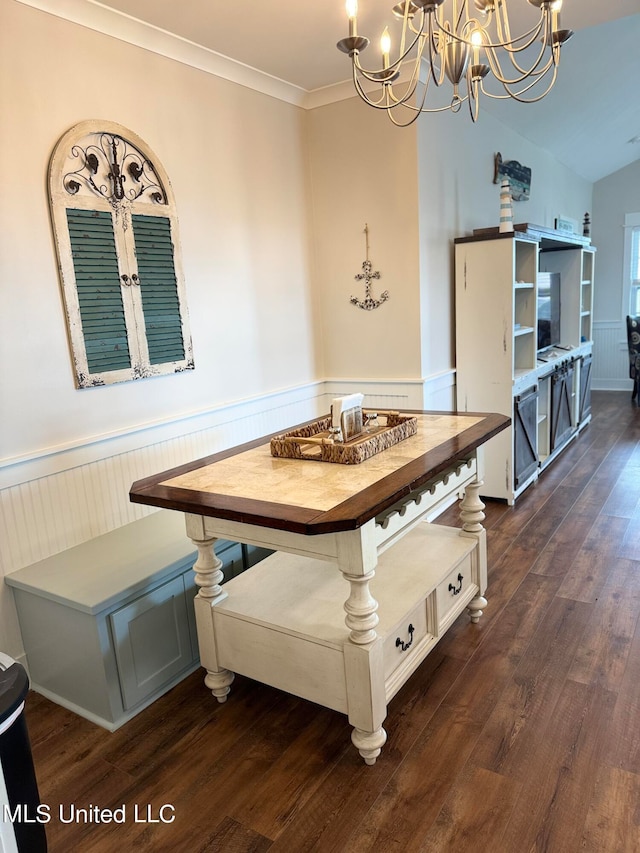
248	484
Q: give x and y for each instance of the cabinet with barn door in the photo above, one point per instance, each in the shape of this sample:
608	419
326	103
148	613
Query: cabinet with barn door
525	436
562	404
523	345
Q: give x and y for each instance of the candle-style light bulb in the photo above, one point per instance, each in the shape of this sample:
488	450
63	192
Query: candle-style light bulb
555	14
352	14
385	47
476	41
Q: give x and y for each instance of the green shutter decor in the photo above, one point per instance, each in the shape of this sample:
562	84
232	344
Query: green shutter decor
116	233
95	263
158	288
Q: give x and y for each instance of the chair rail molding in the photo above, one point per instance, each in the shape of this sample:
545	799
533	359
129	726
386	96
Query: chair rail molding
277	407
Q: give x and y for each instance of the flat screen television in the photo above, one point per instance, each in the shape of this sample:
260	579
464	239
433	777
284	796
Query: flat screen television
548	310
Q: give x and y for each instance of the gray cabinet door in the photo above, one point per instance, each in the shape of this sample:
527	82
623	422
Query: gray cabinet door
585	387
151	640
562	426
525	435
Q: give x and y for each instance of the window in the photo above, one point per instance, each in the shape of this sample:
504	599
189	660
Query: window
634	301
116	233
631	288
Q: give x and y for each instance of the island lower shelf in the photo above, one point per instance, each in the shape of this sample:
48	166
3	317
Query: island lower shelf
279	624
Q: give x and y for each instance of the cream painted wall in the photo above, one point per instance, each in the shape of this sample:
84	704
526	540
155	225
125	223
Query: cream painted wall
363	172
457	194
418	188
236	160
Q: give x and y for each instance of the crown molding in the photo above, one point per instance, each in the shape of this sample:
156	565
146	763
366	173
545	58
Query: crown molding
100	18
329	95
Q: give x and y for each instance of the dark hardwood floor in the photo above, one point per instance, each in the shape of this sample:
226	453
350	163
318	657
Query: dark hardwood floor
519	734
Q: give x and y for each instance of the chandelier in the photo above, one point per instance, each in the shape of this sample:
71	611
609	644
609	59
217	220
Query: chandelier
465	42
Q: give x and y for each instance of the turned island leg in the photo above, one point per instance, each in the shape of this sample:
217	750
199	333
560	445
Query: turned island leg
361	608
364	666
369	744
472	516
209	577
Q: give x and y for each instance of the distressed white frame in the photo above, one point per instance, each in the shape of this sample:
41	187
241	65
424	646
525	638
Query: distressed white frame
63	162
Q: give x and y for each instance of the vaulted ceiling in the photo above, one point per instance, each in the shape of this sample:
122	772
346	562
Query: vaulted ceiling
587	121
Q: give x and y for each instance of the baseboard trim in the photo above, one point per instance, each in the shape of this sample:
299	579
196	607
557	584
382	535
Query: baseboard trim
612	385
126	716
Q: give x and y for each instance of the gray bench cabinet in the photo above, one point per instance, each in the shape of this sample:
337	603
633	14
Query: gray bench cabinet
109	625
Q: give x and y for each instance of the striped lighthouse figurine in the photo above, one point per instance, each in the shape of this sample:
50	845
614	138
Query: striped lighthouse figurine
506	210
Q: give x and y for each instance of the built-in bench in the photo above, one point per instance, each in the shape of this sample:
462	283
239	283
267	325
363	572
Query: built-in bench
108	625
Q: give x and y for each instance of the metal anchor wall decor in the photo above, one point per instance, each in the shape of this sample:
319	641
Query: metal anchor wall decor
368	303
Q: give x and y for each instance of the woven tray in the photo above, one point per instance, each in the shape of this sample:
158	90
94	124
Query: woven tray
314	441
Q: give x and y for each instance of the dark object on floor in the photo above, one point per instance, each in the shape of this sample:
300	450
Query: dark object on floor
633	340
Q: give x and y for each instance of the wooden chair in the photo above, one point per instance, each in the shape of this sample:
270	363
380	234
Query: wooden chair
633	340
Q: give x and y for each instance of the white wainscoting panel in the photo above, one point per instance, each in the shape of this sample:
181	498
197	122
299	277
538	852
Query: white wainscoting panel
63	496
47	506
435	392
610	357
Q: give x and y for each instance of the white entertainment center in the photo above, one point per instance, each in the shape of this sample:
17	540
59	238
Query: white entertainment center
510	360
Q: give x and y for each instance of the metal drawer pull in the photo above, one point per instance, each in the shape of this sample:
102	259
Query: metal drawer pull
455	590
405	646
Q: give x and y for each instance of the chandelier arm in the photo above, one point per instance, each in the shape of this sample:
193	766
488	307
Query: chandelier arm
411	26
502	25
402	100
412	85
371	75
387	93
534	71
419	107
512	51
397	123
531	35
411	88
433	46
459	19
365	97
516	96
472	24
515	46
502	18
473	100
422	109
401	103
418	113
407	26
535	77
361	92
